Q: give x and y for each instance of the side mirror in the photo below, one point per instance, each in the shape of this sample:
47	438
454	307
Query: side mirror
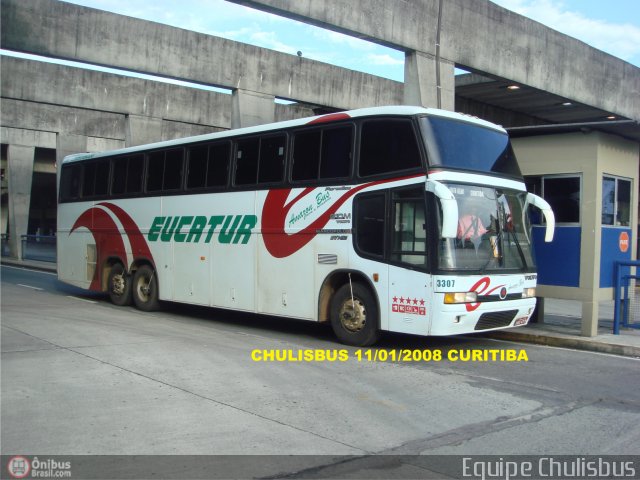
449	207
549	217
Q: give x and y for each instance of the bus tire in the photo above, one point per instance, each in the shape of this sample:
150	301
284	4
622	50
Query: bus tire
119	285
145	289
355	322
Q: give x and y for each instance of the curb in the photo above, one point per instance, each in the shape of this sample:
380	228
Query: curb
41	266
569	342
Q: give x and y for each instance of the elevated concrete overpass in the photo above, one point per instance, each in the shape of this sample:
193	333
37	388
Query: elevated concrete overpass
478	36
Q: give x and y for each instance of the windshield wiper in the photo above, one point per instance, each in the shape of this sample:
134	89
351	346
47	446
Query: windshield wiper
520	252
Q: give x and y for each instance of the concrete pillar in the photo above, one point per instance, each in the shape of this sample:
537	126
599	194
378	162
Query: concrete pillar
590	311
421	86
140	130
20	171
251	108
590	247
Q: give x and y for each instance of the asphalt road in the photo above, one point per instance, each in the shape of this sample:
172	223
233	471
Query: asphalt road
83	377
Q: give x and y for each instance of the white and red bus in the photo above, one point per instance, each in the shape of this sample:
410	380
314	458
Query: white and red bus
400	219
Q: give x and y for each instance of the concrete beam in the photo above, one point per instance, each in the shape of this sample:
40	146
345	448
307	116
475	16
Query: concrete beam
56	118
50	83
63	30
27	138
20	161
481	36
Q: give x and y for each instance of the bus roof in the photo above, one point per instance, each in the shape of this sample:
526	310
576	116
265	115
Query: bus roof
399	110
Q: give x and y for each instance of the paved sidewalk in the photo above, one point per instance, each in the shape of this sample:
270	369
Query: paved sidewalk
561	326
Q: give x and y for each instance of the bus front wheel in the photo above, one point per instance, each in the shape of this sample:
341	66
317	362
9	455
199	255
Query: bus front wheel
119	284
145	289
354	315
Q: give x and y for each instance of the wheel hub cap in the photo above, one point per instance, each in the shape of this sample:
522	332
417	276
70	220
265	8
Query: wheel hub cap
353	315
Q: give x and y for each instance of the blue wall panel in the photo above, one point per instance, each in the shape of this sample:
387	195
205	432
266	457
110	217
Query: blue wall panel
611	253
558	262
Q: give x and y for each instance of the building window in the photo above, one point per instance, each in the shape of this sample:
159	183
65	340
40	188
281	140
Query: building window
616	201
563	192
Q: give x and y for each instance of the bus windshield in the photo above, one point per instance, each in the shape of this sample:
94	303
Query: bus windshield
456	144
493	231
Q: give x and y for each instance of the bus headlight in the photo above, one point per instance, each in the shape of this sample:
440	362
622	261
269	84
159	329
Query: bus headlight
529	292
460	297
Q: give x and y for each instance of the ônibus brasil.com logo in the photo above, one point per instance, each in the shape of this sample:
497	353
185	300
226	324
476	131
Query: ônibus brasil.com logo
20	467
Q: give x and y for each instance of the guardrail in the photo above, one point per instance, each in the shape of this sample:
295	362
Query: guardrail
624	298
39	247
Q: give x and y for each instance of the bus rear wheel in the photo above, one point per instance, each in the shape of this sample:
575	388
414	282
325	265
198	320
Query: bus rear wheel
119	285
354	318
145	289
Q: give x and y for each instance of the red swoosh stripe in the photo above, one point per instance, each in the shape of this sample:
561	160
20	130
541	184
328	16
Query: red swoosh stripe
106	236
275	211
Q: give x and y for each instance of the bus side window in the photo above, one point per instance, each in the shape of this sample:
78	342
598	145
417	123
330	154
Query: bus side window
336	155
387	146
96	178
369	211
198	161
70	182
102	177
173	166
208	165
88	179
119	180
218	168
247	161
272	155
155	169
306	155
135	168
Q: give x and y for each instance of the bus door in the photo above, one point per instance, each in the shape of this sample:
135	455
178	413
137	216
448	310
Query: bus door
408	280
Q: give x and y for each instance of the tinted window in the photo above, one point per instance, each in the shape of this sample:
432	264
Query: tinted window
322	154
198	164
70	182
218	169
102	177
173	161
271	159
135	168
88	179
164	170
387	146
370	213
155	168
119	182
455	144
247	161
335	160
208	166
306	155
